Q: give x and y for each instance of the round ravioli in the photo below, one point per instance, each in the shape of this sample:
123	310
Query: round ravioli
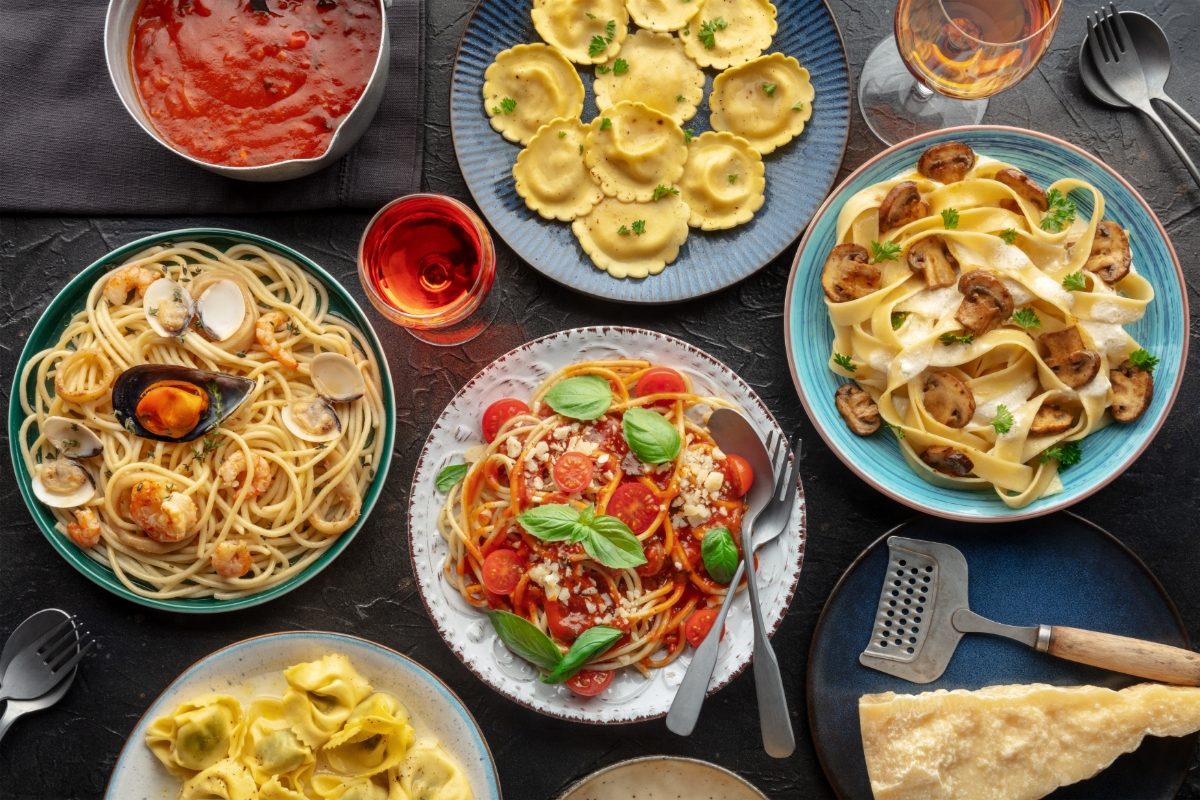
728	32
550	173
661	15
723	182
526	87
632	149
585	31
653	69
633	240
766	101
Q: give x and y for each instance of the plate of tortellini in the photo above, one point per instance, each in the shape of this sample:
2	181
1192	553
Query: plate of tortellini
649	151
306	716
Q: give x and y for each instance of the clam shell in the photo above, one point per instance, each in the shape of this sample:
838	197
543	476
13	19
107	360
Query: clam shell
221	310
71	499
71	437
294	423
336	378
169	308
225	394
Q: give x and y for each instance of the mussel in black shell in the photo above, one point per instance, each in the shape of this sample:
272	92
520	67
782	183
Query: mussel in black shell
175	404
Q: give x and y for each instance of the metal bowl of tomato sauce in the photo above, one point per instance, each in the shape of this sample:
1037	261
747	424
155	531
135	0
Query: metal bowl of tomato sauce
242	112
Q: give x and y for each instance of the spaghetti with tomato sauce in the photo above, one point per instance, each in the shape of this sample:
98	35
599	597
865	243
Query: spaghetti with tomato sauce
230	85
537	457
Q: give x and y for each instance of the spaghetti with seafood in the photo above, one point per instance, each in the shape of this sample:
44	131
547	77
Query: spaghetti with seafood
601	516
981	317
204	426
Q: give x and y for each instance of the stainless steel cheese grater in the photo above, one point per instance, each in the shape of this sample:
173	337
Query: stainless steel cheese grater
923	612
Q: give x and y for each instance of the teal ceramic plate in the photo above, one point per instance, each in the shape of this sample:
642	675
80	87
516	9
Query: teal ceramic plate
254	667
1162	331
71	299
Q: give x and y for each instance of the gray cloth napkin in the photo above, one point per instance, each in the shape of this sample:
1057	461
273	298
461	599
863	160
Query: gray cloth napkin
67	145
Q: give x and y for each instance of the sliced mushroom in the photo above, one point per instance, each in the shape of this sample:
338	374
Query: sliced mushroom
948	460
1132	388
902	205
947	162
986	302
931	258
1051	418
857	408
1066	356
1110	257
948	399
1024	186
849	273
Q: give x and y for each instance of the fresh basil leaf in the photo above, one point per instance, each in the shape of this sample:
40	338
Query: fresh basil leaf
610	542
584	397
650	436
449	476
526	639
590	643
720	554
554	522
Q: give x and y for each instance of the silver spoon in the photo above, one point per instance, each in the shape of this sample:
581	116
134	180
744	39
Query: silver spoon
1117	60
689	698
37	667
1154	50
28	632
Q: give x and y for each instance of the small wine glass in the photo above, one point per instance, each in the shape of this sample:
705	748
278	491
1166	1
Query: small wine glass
427	263
946	57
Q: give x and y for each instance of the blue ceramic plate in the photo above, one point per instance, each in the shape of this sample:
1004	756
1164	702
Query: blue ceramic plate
798	175
1059	571
254	668
72	298
1108	452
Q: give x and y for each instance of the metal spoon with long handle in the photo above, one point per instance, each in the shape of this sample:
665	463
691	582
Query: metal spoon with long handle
689	698
1119	64
28	632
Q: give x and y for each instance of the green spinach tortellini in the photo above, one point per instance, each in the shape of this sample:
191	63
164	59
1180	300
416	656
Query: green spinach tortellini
374	738
429	774
197	734
320	696
270	746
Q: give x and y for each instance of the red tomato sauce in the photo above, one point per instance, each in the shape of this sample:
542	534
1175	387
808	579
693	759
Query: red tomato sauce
232	86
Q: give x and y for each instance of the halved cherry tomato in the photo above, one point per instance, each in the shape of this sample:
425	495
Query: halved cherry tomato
633	504
699	624
656	556
502	570
742	475
499	413
565	625
573	471
659	380
590	682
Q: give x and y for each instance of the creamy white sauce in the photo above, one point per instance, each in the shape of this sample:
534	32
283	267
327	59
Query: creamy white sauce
1014	398
1047	287
915	329
933	303
1104	311
1108	337
912	363
664	780
1097	386
1020	294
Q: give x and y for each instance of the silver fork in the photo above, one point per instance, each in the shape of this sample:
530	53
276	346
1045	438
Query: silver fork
689	698
40	666
1118	63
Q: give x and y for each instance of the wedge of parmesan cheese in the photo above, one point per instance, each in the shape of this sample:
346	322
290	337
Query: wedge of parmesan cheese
1011	742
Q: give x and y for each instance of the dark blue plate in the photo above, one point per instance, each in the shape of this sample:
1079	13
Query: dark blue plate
798	175
1059	570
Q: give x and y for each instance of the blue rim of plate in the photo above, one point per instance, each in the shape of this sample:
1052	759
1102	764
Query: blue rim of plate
70	299
838	778
1107	452
798	174
403	661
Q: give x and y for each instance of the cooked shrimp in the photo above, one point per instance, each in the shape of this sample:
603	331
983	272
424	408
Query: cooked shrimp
235	466
163	515
344	505
264	332
85	530
231	559
130	278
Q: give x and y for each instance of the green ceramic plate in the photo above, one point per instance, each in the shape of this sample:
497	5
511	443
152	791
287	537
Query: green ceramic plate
71	300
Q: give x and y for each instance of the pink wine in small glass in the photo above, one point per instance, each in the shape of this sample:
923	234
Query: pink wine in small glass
427	262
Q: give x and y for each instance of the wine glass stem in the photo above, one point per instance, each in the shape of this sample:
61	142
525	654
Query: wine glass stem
920	92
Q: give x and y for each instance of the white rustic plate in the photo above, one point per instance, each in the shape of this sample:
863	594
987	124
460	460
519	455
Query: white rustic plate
630	697
255	667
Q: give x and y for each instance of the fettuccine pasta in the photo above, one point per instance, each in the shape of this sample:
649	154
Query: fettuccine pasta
981	318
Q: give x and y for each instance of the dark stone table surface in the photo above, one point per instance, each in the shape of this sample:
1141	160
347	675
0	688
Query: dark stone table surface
68	751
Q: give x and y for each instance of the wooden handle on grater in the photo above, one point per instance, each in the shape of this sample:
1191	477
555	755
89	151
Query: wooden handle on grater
1157	662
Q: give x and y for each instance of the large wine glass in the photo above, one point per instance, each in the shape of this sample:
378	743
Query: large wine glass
946	57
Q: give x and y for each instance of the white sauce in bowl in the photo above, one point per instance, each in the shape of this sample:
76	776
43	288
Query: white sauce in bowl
663	779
